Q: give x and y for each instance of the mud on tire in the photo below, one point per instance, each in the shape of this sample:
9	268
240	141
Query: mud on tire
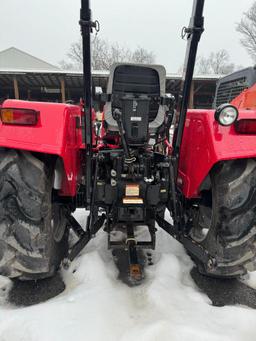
228	214
28	249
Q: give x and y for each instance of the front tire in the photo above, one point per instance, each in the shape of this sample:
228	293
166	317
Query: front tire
28	218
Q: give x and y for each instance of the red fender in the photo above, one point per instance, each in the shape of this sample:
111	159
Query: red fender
205	142
56	132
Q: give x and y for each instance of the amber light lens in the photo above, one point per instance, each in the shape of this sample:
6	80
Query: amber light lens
19	116
246	126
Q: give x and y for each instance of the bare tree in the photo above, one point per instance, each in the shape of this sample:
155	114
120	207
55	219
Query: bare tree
75	54
140	55
220	62
104	54
64	65
203	65
217	63
247	28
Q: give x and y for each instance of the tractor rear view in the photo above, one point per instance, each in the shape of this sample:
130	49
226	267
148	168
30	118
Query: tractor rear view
127	171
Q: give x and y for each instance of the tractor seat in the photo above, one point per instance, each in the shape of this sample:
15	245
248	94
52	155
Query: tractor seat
137	90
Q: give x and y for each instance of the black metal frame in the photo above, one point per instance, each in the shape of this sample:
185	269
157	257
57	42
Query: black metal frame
95	221
193	33
196	250
86	28
139	245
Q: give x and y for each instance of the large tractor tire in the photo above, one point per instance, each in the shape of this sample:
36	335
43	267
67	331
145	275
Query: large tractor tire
33	234
225	223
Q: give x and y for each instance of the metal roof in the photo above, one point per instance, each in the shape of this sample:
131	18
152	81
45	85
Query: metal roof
51	78
13	58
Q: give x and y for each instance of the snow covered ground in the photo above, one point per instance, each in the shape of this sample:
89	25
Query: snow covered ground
97	306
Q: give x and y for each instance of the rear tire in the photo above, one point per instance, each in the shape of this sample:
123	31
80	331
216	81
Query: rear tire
225	223
28	219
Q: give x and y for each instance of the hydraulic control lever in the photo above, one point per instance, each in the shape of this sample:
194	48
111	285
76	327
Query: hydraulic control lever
117	115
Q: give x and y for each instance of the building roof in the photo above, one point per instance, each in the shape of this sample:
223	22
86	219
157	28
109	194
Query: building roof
15	60
52	76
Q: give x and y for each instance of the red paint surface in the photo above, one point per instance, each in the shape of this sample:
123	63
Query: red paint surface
55	133
205	143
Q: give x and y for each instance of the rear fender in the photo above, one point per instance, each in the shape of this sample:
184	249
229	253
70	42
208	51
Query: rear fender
205	143
56	133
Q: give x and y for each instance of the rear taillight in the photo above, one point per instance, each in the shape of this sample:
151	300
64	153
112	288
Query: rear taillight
246	126
17	116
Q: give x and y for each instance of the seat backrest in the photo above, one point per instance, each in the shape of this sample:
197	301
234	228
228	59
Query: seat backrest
137	81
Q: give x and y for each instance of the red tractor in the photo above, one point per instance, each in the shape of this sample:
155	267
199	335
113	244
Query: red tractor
127	172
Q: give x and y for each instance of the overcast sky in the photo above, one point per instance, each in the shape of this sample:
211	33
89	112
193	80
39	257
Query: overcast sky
46	28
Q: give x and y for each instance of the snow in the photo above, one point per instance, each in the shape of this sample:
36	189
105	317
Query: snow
97	306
